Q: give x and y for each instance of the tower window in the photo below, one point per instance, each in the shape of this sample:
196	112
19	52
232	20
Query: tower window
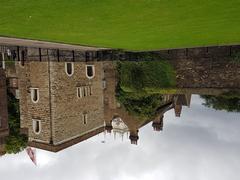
85	118
37	126
90	90
84	91
35	95
69	68
87	91
79	92
90	71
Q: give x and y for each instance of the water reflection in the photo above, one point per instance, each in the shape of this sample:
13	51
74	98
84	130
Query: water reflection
54	105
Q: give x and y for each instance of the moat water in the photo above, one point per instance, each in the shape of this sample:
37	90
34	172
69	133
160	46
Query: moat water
166	119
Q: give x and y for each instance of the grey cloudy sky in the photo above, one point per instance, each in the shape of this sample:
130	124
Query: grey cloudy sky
203	144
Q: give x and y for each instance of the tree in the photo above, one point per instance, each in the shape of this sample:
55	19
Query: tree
228	101
140	84
15	142
140	104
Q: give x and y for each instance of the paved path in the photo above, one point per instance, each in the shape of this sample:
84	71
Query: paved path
44	44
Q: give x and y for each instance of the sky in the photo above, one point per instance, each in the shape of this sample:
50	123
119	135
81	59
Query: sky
203	144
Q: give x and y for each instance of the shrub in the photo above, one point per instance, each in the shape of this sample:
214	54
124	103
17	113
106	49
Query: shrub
140	104
146	75
15	142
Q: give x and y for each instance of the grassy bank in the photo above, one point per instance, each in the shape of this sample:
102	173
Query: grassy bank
128	24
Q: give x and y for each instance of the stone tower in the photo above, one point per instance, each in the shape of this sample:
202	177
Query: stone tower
61	103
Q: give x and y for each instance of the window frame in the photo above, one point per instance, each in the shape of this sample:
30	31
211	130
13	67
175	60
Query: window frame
34	123
93	71
32	90
72	68
85	118
84	91
79	92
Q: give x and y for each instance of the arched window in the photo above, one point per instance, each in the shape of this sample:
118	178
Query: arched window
37	126
90	71
69	68
34	95
85	118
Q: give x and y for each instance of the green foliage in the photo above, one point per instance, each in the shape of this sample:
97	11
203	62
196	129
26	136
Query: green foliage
13	114
231	95
128	24
140	84
146	76
10	63
16	142
228	101
142	105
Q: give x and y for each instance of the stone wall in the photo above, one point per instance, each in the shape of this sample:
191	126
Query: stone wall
184	53
35	75
203	67
59	147
67	108
207	73
110	79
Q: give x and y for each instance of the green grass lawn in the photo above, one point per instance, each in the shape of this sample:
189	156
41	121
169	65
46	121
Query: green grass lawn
127	24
